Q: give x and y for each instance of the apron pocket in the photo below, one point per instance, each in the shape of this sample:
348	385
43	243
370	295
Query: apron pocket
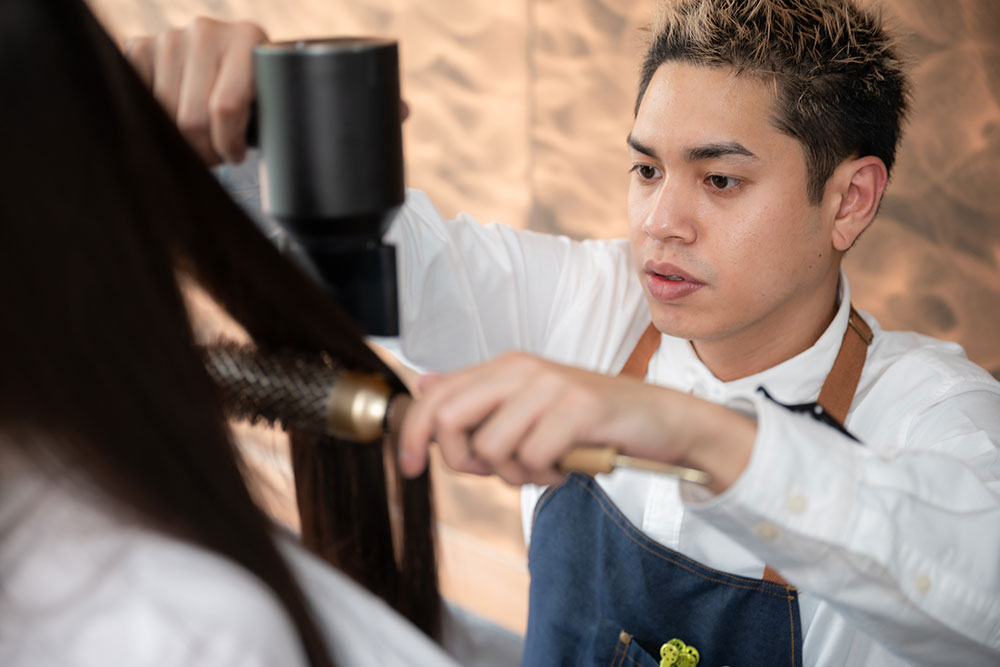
628	653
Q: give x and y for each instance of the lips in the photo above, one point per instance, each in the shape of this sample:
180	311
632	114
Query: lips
669	283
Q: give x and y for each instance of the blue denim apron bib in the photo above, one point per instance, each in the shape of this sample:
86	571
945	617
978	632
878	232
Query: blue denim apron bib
603	593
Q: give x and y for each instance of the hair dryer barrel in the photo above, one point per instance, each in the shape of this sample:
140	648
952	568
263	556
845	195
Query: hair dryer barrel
328	127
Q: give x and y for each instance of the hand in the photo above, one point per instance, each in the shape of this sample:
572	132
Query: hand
203	77
517	415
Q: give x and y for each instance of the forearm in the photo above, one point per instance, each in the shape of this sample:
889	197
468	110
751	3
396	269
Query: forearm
717	440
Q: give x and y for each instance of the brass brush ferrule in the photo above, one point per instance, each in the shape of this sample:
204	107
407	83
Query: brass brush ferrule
357	405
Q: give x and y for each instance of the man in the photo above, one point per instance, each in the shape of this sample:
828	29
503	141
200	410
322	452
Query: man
852	512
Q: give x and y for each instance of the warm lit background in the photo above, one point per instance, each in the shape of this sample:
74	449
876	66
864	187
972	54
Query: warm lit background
520	110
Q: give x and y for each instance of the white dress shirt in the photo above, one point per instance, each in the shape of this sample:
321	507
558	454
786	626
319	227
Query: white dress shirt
894	543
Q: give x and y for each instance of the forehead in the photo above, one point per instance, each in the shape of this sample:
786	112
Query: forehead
687	104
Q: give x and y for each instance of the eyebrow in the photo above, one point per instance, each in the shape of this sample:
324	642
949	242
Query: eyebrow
709	151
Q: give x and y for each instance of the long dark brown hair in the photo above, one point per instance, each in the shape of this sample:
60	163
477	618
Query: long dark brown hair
103	206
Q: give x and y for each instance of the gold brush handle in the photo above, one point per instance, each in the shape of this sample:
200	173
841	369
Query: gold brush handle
594	460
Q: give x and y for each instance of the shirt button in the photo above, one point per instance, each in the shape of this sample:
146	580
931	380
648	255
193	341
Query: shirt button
797	503
922	583
767	531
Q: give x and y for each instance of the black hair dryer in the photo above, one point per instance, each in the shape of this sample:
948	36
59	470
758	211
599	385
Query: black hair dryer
328	127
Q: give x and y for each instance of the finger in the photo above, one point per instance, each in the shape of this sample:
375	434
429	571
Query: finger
551	477
454	404
556	431
168	70
471	397
414	439
427	380
199	75
418	425
233	94
449	407
515	474
503	432
139	52
511	472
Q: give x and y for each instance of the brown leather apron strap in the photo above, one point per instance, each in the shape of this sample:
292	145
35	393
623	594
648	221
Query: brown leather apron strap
638	362
841	383
838	390
835	396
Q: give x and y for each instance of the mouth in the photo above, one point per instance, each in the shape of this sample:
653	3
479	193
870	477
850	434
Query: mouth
669	283
669	272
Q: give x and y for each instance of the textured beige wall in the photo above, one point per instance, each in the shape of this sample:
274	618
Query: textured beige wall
930	263
520	111
464	65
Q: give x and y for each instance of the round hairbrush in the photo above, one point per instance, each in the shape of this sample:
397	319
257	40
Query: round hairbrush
304	392
312	393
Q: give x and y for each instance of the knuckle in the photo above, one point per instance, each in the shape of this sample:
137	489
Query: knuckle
578	398
515	356
513	475
203	31
533	461
203	24
552	378
487	448
168	42
224	106
452	458
192	121
138	48
250	31
447	421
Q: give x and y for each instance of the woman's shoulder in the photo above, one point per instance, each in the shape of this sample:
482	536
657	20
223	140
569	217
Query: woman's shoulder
83	587
360	628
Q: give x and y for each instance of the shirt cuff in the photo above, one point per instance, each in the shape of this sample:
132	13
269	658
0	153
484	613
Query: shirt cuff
800	481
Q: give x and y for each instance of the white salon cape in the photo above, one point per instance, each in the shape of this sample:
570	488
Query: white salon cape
894	543
82	585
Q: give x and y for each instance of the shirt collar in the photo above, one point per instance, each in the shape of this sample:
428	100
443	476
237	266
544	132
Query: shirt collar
795	380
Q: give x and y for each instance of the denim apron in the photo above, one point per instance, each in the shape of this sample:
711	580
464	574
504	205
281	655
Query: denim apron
603	593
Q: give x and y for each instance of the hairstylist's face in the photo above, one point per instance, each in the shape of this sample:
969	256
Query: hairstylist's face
724	239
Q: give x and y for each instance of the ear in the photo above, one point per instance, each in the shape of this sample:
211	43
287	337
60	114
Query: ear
857	187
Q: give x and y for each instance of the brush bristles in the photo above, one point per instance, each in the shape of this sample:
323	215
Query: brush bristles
288	389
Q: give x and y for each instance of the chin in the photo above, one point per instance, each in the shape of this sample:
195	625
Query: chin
672	321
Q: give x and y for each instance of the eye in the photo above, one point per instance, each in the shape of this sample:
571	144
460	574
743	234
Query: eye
722	183
645	172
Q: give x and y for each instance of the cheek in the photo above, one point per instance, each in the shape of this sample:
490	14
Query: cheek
635	209
756	253
636	218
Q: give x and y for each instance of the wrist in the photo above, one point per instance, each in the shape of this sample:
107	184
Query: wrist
718	440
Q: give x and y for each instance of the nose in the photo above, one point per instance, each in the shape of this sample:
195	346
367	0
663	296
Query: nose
671	215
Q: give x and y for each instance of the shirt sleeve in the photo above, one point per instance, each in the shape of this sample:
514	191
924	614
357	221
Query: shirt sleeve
901	538
469	292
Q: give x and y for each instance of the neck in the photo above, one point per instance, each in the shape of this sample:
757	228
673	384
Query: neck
766	344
